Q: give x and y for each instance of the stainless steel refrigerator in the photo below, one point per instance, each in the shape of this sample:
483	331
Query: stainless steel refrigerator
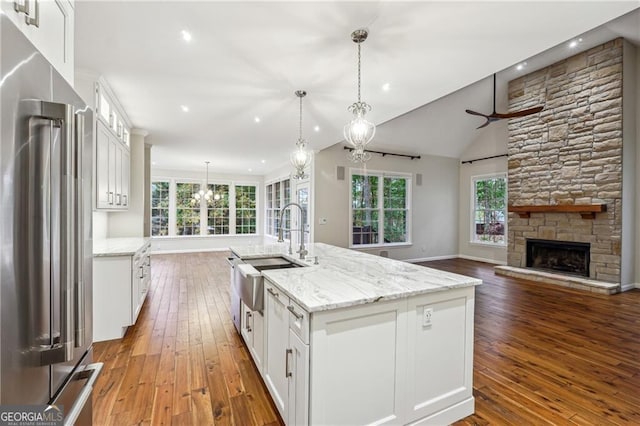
45	234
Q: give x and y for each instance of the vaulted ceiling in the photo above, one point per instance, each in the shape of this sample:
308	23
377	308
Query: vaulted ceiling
245	60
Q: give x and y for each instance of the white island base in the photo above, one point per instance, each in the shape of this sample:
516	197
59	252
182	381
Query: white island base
379	363
330	356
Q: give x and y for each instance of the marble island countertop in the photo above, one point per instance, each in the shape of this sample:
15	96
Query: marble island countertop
118	246
347	277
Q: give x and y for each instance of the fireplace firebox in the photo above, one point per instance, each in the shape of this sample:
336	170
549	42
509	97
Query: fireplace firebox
565	257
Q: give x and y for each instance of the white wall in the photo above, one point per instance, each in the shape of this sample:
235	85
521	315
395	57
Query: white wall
130	223
433	210
210	242
637	121
629	212
489	141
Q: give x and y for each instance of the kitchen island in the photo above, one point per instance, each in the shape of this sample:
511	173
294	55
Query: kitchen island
360	339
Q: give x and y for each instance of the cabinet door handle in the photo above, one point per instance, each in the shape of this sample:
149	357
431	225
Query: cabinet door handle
293	311
287	373
272	292
126	200
110	197
141	272
119	203
247	321
24	8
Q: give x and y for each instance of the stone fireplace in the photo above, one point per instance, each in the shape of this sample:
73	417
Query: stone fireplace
569	154
559	256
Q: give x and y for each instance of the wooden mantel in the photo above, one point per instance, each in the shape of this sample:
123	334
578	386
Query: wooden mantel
587	211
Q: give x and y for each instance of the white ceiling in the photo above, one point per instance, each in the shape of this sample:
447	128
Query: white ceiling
246	59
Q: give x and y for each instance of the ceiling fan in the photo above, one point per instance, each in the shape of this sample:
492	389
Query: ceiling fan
495	116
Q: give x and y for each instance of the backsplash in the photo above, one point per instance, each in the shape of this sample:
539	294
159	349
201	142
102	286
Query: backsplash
570	153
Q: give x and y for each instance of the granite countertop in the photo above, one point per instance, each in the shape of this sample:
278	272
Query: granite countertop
347	277
118	246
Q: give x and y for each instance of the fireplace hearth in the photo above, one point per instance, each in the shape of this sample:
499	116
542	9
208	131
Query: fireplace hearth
566	257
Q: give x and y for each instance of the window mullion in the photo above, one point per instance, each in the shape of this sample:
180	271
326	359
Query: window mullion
380	209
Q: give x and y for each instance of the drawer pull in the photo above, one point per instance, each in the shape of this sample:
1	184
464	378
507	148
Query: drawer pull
293	311
272	292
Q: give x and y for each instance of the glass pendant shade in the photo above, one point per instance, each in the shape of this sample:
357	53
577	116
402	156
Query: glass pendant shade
301	157
359	131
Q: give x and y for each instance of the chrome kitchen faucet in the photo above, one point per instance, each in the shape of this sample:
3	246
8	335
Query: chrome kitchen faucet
303	251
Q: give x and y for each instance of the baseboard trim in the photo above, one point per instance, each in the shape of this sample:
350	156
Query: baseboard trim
194	250
428	259
482	259
630	286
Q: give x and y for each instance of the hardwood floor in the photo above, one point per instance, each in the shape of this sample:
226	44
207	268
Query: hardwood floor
183	362
543	354
549	355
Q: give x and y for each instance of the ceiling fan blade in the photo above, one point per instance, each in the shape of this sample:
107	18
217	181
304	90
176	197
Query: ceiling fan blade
486	123
520	113
468	111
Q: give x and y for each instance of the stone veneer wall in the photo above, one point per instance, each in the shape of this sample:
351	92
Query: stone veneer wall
570	153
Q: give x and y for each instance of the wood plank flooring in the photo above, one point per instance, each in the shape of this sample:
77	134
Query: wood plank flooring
543	354
183	362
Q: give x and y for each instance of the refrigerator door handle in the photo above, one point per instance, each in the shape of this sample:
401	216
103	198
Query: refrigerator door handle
62	116
91	373
79	252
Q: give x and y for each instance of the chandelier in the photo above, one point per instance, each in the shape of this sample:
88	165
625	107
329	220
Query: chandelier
208	195
301	157
359	132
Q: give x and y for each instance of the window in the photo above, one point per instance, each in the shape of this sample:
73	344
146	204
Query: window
218	210
278	195
489	209
187	209
246	209
160	208
380	209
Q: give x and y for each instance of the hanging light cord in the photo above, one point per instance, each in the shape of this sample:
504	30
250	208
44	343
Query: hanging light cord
359	72
300	122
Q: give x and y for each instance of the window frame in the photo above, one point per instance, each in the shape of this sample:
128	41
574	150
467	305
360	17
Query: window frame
472	210
168	208
382	174
273	205
204	208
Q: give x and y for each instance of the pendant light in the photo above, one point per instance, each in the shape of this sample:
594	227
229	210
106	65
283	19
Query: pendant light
301	157
207	195
359	132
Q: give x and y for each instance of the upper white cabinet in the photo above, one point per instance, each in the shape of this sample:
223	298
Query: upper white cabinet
112	155
49	25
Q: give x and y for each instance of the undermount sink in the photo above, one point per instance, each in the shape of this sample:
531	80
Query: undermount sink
271	263
249	281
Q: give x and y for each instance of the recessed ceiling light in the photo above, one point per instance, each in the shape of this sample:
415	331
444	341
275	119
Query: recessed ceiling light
521	66
249	170
316	128
256	119
263	161
153	163
186	35
386	87
184	108
575	43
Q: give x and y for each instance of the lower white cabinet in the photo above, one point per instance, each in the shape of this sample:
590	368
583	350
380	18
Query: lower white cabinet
120	286
286	360
252	331
405	361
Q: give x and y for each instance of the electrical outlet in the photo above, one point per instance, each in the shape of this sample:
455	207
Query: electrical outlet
322	221
427	314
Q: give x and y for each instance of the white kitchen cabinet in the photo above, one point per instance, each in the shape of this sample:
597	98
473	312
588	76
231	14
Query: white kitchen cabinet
252	331
49	25
286	360
120	286
112	170
405	361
